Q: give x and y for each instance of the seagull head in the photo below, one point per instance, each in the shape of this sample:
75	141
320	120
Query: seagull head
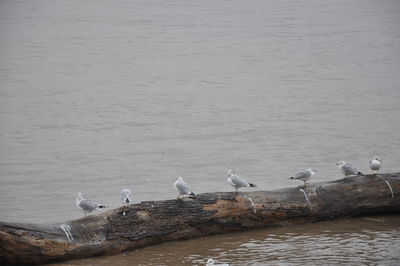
230	172
377	158
340	163
79	196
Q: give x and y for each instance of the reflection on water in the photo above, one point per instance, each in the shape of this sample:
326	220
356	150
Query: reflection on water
373	240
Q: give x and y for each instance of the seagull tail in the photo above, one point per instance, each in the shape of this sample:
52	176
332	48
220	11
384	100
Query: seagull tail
102	207
192	195
292	177
252	185
359	173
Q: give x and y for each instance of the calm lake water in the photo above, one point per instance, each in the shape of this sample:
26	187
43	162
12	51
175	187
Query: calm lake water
98	95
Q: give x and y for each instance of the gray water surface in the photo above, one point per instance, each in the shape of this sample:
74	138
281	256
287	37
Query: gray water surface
99	95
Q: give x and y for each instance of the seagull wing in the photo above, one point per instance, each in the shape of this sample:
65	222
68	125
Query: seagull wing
348	169
303	175
88	205
182	187
239	182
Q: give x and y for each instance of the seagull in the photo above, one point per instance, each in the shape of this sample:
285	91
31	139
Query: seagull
236	181
87	205
210	262
126	197
183	189
347	169
305	175
375	164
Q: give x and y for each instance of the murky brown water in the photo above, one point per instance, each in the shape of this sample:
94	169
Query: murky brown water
98	95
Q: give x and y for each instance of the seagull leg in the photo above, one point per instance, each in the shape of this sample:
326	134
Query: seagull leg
236	190
305	184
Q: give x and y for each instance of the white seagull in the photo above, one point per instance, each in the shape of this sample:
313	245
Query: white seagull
183	189
126	197
375	164
347	169
304	176
236	181
87	205
210	262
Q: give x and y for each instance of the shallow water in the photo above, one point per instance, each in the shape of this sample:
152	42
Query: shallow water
98	95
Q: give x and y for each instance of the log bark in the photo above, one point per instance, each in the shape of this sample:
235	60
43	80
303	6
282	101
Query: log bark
152	222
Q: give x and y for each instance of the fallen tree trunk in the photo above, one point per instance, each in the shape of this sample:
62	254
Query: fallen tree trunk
152	222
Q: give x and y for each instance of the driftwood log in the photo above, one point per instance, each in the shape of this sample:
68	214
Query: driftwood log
152	222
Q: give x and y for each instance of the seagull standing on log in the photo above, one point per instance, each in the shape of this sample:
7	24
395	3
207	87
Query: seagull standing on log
126	197
183	189
375	164
347	169
87	205
304	176
236	181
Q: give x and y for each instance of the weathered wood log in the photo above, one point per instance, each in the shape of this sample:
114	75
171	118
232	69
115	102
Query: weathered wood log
153	222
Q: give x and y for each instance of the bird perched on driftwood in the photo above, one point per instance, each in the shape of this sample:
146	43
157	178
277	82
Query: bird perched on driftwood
183	189
304	176
347	169
87	205
236	181
375	164
126	197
